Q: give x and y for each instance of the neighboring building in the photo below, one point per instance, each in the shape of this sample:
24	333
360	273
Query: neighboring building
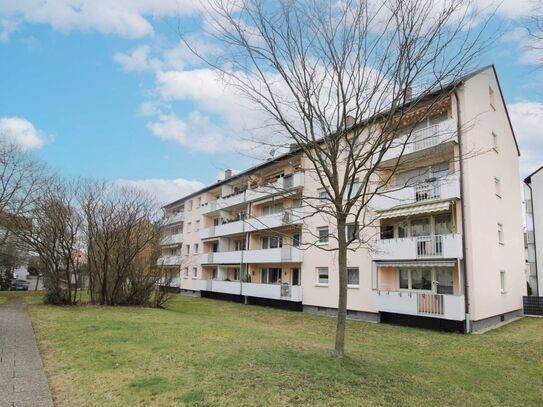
454	239
533	195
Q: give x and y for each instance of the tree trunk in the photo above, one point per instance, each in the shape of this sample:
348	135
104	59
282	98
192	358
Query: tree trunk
339	351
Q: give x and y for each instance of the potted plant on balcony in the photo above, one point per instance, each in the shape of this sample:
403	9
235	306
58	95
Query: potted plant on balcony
253	183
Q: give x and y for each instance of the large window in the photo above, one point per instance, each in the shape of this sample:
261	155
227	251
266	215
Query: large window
352	231
420	227
270	275
239	245
322	275
387	231
416	279
323	235
296	240
271	209
353	276
443	225
272	242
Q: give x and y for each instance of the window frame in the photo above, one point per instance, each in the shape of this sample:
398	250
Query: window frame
322	229
503	282
357	285
320	270
501	234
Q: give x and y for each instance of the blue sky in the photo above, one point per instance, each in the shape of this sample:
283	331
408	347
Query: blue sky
109	92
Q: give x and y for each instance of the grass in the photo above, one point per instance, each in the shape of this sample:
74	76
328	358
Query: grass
202	352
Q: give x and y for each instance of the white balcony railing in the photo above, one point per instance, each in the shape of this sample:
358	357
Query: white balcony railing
169	261
424	138
286	254
286	217
226	287
444	188
412	248
174	282
170	220
418	303
281	185
172	239
272	291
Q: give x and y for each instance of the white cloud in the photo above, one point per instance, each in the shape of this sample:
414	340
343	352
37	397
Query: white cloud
137	60
7	27
21	132
163	190
126	18
527	119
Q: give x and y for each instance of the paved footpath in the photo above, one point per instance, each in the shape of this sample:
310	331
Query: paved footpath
22	379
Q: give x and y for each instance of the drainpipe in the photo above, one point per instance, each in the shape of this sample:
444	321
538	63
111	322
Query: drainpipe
535	242
467	327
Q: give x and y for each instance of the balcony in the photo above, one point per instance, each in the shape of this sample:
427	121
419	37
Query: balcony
281	185
286	254
169	261
287	217
272	291
422	304
226	287
444	188
419	247
172	240
174	282
170	220
423	139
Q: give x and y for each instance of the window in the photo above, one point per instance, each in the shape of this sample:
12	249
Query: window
443	225
491	98
403	229
419	279
495	141
296	240
500	233
239	245
498	187
352	231
186	272
502	282
272	242
214	274
236	273
196	248
353	276
420	227
270	275
271	209
188	249
189	227
197	225
190	205
199	202
323	235
387	232
352	190
323	195
195	272
322	275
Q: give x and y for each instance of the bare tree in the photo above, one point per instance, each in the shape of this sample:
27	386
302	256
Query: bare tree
51	228
534	27
340	81
121	244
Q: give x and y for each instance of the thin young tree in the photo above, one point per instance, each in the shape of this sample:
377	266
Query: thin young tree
339	80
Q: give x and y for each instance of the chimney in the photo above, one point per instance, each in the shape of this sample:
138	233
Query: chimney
349	121
227	174
292	147
408	94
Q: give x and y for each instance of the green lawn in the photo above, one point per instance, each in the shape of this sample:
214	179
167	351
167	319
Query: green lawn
206	352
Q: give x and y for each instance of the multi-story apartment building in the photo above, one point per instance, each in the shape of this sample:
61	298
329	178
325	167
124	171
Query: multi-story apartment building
533	196
448	254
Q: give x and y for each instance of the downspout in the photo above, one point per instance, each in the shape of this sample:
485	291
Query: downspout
535	242
467	327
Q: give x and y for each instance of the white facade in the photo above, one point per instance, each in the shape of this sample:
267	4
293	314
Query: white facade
449	247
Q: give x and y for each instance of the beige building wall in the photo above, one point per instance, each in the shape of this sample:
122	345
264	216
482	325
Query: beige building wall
481	115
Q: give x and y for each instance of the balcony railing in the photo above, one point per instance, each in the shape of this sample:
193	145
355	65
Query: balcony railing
413	248
443	188
270	291
285	254
172	239
281	185
170	220
424	304
174	282
286	217
422	139
169	261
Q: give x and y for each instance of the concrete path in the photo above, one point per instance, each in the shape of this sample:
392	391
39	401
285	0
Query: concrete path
22	379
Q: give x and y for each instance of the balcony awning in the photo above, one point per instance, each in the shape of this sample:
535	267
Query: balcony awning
417	264
415	210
